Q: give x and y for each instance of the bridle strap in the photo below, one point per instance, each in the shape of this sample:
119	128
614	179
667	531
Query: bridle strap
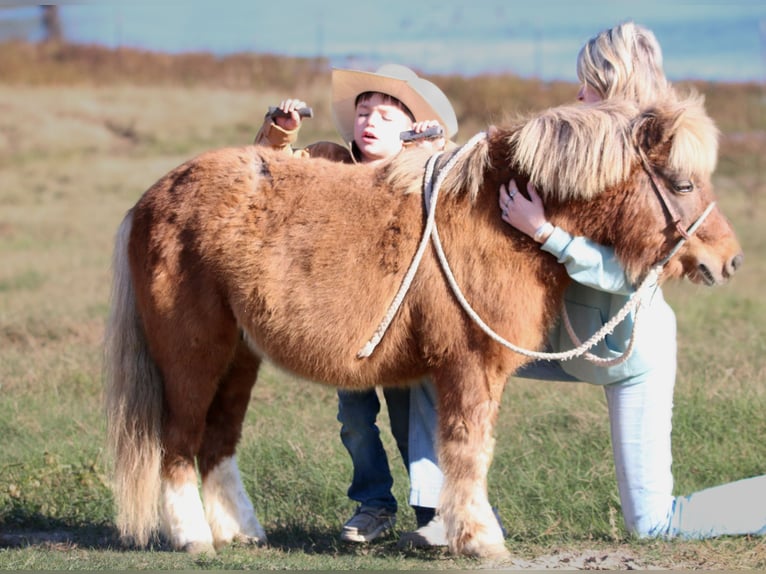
664	196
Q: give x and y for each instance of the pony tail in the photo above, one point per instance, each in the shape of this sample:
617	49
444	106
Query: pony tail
133	404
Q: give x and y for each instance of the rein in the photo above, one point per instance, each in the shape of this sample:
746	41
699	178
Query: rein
675	218
431	189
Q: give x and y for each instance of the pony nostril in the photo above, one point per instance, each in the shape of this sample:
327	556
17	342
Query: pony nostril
735	263
706	275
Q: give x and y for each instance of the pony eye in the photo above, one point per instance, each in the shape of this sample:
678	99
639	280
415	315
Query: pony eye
683	187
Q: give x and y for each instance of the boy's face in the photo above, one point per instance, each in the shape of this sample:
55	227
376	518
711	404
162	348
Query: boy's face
377	127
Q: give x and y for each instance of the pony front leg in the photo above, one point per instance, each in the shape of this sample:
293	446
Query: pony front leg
182	516
467	417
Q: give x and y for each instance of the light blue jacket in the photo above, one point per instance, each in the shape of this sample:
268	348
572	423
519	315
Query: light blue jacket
599	291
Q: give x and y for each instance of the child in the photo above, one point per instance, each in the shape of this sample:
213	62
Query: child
370	110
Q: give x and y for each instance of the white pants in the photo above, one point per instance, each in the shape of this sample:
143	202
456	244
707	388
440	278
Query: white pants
426	477
640	419
640	412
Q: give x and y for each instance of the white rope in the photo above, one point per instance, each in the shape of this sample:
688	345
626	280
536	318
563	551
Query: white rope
431	191
633	302
428	180
606	362
595	359
369	347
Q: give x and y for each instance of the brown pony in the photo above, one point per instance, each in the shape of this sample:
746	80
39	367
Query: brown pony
242	255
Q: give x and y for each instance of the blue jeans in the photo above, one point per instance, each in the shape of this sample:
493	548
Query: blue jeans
640	413
357	412
414	422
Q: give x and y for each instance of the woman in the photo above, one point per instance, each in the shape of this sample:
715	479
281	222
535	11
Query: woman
370	111
626	62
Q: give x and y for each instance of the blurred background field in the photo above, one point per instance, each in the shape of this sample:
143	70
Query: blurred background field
85	130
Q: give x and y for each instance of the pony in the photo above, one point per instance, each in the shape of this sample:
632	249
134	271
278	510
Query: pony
242	255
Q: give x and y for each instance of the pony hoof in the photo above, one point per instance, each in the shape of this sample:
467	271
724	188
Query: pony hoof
199	548
246	540
496	552
485	551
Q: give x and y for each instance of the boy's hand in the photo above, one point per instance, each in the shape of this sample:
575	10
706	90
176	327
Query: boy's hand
435	144
289	113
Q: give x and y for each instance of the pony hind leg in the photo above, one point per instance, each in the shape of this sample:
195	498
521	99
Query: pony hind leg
228	508
193	360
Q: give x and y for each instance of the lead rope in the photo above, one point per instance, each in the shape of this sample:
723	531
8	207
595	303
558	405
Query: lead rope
428	182
604	362
633	301
431	190
369	347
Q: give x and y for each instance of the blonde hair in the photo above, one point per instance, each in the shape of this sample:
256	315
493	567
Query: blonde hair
624	62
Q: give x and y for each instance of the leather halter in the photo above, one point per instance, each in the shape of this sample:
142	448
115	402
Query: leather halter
664	196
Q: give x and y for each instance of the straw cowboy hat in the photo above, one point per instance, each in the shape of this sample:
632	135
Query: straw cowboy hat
423	98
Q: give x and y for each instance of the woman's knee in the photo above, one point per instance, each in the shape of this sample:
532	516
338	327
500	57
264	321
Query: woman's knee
651	524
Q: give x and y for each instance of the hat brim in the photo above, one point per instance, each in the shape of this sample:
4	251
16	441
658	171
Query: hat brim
412	92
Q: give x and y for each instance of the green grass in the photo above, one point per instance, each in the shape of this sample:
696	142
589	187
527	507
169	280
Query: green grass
73	159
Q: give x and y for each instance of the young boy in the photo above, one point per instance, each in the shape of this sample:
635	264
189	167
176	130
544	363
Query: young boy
370	111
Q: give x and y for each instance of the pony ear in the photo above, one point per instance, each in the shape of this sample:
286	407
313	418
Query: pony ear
652	130
678	133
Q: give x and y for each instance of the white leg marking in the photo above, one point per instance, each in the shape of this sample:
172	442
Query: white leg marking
472	528
183	518
228	508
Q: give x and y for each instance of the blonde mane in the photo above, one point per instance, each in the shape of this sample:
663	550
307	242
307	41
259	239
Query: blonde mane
405	172
576	151
695	138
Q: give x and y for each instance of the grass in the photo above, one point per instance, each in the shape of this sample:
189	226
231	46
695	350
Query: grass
74	156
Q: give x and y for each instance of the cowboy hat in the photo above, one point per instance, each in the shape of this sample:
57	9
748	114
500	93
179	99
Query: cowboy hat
423	98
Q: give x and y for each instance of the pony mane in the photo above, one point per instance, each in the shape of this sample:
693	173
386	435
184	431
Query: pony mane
576	151
466	176
405	170
695	135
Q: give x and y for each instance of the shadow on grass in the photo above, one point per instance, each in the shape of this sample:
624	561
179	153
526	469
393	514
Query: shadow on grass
96	537
38	530
23	527
326	541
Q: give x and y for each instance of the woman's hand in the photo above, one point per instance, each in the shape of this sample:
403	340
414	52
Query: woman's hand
526	215
289	119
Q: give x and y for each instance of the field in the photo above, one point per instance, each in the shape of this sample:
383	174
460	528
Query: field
79	143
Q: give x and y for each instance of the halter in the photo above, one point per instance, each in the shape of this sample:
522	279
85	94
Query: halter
431	189
662	195
674	217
